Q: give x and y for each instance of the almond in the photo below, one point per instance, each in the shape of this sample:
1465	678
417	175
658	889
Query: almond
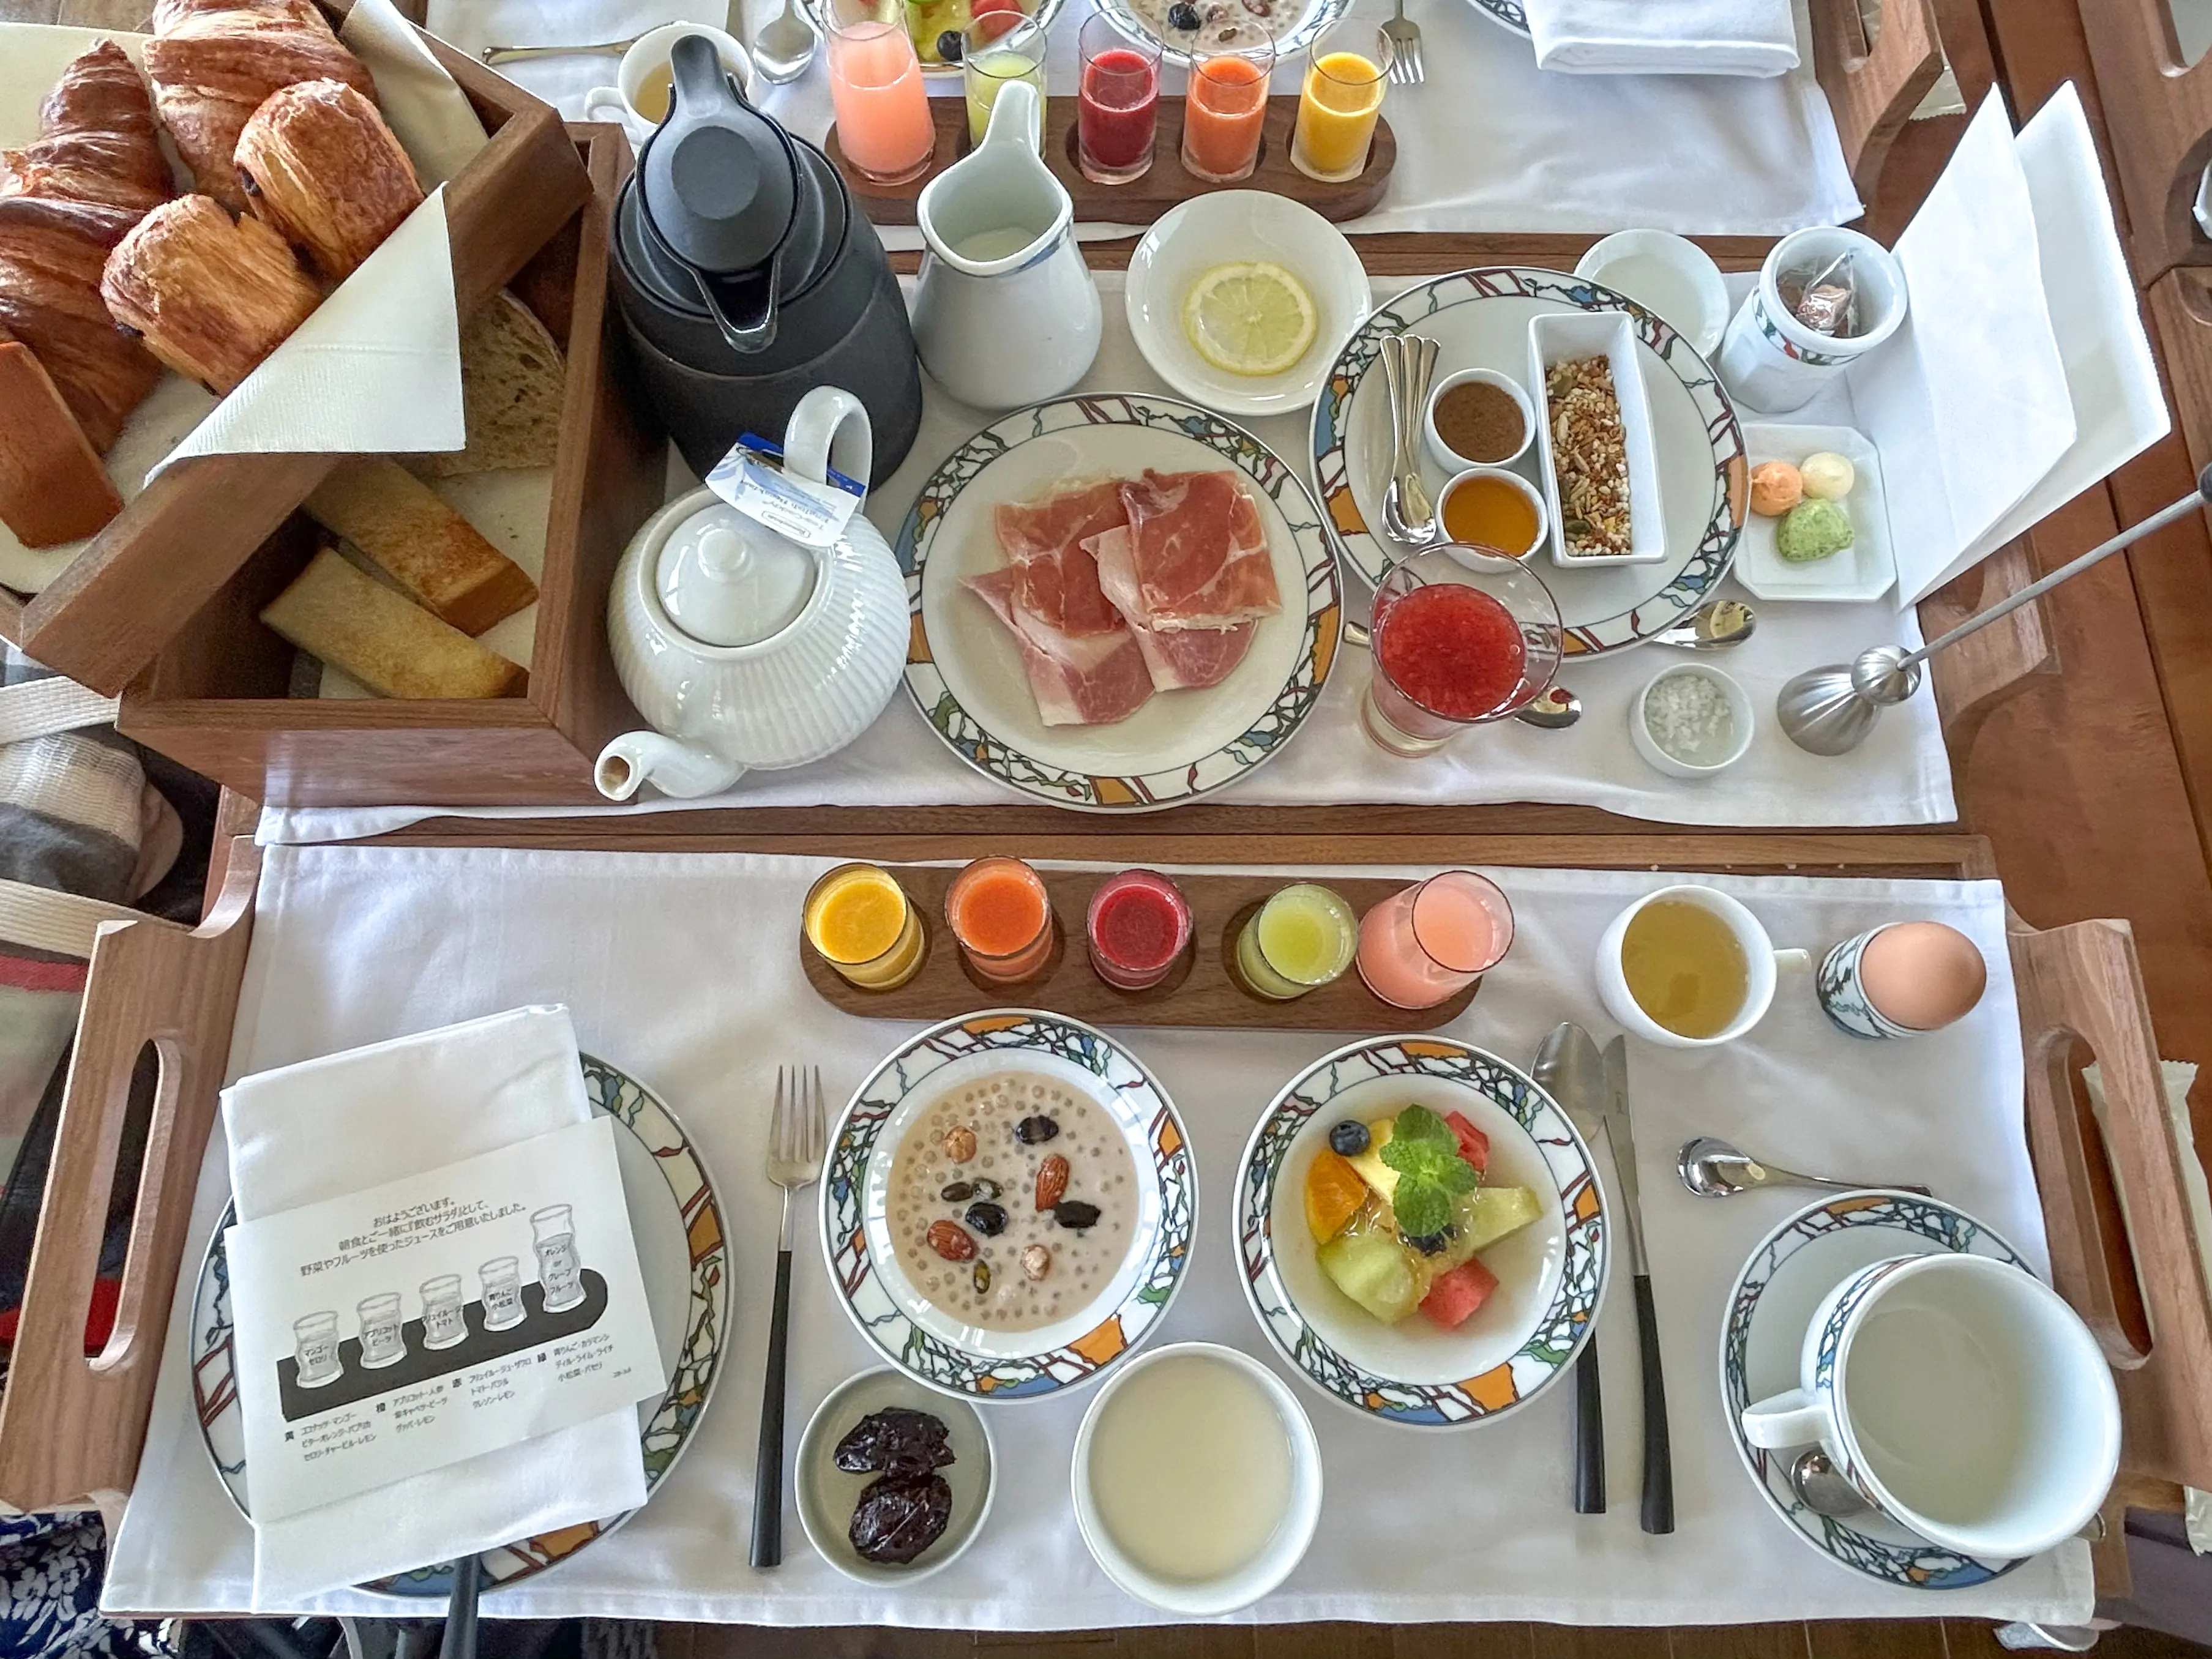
1051	1182
950	1241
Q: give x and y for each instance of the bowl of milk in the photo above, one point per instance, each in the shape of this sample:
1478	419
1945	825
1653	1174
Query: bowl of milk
1197	1479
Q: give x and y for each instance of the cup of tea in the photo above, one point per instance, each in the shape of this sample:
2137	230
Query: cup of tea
1690	967
1961	1397
645	81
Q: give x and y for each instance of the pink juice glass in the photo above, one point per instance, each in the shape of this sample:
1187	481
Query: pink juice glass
1430	941
875	87
1117	103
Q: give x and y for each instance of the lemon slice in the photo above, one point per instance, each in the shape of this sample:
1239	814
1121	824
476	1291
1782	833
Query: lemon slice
1250	319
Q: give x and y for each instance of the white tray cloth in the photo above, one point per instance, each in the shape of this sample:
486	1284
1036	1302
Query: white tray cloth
1489	142
680	969
1901	774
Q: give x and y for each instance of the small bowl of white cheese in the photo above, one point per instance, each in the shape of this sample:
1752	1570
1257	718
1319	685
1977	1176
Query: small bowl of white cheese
1691	721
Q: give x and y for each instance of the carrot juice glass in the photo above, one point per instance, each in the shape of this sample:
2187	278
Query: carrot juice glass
998	910
1339	105
1224	107
858	921
1429	942
875	88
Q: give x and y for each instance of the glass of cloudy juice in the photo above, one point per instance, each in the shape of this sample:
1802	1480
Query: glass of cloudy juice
1462	636
998	910
858	921
1301	938
1428	942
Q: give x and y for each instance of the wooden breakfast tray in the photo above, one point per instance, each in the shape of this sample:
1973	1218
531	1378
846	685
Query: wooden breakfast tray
71	1427
1141	201
1200	990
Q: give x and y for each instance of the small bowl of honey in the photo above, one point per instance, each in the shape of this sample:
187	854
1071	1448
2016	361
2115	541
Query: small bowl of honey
1490	506
1478	418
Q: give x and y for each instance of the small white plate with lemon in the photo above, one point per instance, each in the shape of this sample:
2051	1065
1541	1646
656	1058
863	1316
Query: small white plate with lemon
1239	300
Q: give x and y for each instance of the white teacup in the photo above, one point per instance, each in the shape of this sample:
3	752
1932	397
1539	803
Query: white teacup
640	99
1962	1397
1762	960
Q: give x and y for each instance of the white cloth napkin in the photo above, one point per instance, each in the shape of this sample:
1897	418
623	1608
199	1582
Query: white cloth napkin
317	1128
1902	775
1741	156
425	106
1663	37
353	942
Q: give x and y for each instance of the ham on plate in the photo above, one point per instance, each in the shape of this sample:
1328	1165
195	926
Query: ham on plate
1078	679
1197	554
1180	659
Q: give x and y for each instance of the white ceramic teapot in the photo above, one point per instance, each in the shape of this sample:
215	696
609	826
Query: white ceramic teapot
743	648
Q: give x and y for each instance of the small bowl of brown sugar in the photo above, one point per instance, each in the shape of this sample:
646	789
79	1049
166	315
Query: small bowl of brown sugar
1478	418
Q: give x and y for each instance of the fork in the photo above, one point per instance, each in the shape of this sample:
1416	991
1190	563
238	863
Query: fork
596	49
1404	40
795	1138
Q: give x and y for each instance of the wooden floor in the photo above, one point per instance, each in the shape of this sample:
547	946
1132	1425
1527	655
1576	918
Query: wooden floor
1926	1639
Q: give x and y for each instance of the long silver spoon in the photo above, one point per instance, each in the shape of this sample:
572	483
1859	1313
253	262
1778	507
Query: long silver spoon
785	46
1711	1168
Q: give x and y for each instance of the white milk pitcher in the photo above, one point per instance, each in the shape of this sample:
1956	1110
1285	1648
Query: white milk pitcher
1006	313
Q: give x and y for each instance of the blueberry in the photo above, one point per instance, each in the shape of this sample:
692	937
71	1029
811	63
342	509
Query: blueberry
988	1220
948	45
1036	1131
1350	1138
1184	15
1429	1243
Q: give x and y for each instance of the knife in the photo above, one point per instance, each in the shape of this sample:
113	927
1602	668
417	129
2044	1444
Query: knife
1658	1461
1569	1070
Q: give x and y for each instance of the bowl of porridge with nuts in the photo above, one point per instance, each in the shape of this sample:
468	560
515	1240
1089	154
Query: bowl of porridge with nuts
1008	1204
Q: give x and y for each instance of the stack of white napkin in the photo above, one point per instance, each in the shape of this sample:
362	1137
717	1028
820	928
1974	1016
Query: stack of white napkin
1663	37
324	1127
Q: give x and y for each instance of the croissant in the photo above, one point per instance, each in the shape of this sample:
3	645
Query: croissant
66	199
212	66
211	296
318	166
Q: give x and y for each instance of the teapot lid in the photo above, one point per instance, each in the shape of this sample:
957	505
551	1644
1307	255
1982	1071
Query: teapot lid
719	180
727	580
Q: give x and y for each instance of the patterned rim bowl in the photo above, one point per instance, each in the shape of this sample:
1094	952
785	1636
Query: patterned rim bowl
937	1348
1551	1275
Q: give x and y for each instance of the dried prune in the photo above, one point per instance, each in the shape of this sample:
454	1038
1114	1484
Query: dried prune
897	1519
1074	1212
1036	1131
986	1219
895	1441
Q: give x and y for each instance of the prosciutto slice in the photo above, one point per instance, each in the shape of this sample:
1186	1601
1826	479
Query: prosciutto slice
1055	578
1198	554
1180	658
1079	680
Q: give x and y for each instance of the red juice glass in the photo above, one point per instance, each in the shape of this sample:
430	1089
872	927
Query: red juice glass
1462	636
1224	107
1138	926
1117	103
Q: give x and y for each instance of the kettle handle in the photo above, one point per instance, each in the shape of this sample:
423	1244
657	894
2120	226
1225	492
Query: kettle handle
831	428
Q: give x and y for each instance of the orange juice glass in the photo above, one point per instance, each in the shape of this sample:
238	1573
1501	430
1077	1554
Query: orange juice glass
998	910
1427	943
858	921
875	88
1224	107
1339	105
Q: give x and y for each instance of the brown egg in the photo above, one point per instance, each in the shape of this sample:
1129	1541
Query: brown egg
1923	974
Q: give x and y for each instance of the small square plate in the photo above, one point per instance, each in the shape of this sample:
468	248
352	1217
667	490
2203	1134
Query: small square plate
1865	569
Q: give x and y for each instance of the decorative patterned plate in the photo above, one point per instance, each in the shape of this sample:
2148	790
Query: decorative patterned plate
1129	16
816	13
682	1248
1551	1275
935	1348
1481	319
1793	1269
965	671
1506	14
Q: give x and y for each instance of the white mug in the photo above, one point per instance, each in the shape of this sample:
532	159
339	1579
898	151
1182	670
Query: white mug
1962	1397
1769	360
646	62
1763	961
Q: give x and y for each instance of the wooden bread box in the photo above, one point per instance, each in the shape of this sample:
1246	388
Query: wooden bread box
215	696
71	1427
173	547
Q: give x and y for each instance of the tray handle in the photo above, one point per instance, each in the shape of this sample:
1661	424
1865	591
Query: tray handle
71	1425
2083	981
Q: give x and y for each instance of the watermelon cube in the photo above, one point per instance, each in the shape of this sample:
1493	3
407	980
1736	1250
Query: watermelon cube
1473	1145
1454	1296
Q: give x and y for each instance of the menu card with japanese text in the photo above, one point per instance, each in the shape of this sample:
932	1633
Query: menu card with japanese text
424	1322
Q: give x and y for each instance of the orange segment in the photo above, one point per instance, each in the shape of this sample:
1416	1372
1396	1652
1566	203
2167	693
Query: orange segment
1334	1192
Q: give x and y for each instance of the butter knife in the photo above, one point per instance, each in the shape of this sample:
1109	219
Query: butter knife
1658	1460
1570	1069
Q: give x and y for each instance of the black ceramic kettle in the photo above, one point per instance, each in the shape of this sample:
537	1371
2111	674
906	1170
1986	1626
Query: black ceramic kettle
746	277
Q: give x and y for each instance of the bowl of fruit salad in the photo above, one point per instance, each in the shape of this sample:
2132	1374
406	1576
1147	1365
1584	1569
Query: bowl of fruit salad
1422	1231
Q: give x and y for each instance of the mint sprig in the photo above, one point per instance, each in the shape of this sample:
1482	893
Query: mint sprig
1424	1152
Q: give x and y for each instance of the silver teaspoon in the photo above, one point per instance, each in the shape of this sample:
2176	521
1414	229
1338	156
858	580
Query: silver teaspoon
1711	1168
785	46
1717	626
1821	1488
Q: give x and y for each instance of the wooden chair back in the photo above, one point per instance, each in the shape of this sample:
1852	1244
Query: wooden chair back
1874	85
2158	116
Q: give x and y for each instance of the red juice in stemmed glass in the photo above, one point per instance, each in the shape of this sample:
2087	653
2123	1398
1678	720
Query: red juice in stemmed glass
1117	104
1462	636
